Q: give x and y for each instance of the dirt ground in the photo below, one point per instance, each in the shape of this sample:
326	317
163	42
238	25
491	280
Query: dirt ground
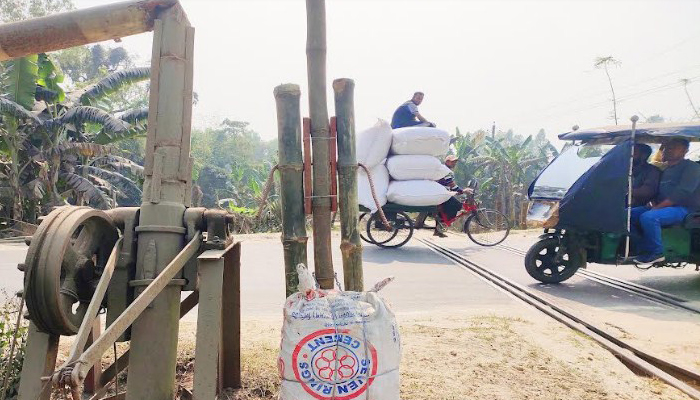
507	354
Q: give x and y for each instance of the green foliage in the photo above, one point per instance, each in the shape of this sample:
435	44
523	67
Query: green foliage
504	165
49	79
18	10
46	140
95	197
19	80
231	162
113	83
8	329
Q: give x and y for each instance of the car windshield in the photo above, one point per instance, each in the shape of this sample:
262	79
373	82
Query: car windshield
557	178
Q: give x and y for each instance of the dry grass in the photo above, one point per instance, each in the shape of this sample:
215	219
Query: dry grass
456	357
476	357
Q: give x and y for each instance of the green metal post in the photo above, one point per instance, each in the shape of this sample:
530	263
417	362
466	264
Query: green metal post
290	165
350	244
154	334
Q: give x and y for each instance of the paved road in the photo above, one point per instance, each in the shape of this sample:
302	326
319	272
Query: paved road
425	282
10	277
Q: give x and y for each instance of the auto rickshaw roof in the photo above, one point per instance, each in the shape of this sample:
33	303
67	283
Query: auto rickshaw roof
690	131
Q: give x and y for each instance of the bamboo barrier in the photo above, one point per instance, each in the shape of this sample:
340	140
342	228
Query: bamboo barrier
350	245
292	196
79	27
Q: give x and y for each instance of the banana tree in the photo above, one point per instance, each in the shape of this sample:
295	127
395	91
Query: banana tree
50	138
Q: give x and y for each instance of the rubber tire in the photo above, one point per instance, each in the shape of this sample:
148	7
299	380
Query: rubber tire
473	239
577	260
386	244
363	235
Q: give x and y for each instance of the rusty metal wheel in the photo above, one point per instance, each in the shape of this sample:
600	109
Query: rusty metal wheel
65	259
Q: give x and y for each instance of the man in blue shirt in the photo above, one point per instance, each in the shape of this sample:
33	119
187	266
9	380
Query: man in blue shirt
407	114
678	195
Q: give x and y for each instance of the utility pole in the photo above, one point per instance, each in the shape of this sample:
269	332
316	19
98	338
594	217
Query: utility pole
493	130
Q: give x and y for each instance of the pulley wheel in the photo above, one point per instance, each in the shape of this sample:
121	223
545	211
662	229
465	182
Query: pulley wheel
66	257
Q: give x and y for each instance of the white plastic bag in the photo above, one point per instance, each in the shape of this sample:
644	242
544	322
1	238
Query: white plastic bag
417	193
420	140
416	167
338	345
380	178
373	144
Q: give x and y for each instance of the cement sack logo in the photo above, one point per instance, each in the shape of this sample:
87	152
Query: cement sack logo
332	364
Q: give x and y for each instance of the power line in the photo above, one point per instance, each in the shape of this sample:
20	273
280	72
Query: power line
627	97
622	87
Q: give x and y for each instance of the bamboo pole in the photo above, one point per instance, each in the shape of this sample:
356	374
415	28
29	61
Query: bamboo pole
316	68
350	244
292	196
79	27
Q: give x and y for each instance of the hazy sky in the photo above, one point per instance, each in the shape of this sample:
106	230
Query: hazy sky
524	64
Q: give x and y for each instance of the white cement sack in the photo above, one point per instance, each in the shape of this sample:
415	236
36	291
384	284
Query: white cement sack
420	140
338	345
380	177
373	144
412	167
417	193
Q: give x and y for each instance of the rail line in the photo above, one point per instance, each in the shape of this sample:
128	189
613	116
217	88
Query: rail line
677	376
648	293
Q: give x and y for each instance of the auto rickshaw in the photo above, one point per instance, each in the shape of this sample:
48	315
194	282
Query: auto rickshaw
581	199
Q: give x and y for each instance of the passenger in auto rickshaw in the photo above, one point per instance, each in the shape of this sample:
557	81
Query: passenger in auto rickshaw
678	195
645	177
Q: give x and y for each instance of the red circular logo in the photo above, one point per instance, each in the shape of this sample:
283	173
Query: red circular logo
332	364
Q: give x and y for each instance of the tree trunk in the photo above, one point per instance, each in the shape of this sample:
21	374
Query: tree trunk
316	68
13	143
613	94
350	244
292	196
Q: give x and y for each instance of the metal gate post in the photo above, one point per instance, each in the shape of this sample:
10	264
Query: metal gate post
206	365
230	354
166	189
217	351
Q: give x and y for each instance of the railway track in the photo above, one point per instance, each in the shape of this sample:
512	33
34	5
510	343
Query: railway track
648	293
677	376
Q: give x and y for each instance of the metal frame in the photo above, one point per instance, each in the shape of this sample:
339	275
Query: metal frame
148	261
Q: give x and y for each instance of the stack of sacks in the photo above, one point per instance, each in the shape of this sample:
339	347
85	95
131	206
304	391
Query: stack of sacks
373	145
415	166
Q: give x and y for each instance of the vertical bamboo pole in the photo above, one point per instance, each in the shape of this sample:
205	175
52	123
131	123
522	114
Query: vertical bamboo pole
292	195
350	244
316	68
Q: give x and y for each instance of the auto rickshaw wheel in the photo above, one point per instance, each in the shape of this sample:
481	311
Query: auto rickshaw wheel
65	259
548	262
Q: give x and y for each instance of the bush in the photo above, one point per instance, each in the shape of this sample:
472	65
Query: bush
11	367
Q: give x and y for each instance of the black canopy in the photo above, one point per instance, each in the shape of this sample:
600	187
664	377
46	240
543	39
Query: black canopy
597	201
690	131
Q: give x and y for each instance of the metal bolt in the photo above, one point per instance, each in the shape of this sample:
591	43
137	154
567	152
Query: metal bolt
28	240
21	266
